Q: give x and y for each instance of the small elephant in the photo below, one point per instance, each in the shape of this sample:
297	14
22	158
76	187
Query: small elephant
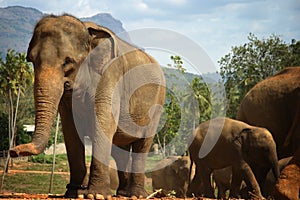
222	178
250	150
172	174
104	88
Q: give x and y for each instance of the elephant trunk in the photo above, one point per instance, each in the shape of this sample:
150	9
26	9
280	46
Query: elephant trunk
274	162
47	94
275	170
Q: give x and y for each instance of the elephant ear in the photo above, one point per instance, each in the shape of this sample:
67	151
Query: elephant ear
179	165
245	136
175	166
242	139
103	44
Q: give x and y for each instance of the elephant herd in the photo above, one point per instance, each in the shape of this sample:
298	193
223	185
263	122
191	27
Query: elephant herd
259	153
176	176
113	92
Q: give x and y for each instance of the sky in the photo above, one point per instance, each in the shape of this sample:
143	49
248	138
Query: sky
214	25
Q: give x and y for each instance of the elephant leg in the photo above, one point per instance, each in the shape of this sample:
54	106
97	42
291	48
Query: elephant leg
237	178
75	153
122	157
250	180
99	180
140	149
195	188
221	191
206	181
106	111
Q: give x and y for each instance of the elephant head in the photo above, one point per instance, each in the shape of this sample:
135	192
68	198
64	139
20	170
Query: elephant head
59	46
181	168
259	150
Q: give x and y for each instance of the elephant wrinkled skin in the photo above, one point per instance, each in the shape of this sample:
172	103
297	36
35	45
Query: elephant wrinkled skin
102	87
274	103
250	150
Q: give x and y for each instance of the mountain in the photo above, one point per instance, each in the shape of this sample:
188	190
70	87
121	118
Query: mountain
17	24
106	20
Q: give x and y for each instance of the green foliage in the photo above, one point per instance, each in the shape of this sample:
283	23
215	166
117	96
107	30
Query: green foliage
43	158
294	48
202	94
187	104
172	121
60	136
4	142
16	73
178	63
248	64
21	137
16	77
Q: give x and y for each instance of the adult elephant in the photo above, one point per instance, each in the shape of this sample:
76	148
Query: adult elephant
102	87
250	150
274	103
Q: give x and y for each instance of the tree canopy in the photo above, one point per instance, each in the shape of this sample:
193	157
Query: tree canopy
246	65
187	104
15	81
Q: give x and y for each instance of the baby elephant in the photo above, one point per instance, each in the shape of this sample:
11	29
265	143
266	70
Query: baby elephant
222	178
250	150
172	174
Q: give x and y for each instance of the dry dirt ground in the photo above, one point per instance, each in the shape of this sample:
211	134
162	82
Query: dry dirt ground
13	195
53	196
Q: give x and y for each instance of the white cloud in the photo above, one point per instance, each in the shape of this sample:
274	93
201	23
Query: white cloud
214	25
144	9
258	26
142	6
177	2
233	7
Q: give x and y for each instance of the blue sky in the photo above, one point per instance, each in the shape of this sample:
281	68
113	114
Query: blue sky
215	25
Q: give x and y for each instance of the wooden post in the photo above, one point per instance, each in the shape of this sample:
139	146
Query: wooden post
54	153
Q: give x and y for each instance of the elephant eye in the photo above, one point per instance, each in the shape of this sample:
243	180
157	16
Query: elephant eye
68	60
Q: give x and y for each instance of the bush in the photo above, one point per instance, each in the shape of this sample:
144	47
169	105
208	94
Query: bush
41	158
48	159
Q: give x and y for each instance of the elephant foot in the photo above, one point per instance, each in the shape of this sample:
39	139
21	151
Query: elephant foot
193	193
72	190
94	194
138	191
288	184
24	150
123	192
